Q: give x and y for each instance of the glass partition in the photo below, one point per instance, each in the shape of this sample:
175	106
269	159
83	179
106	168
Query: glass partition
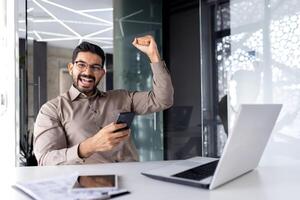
264	64
134	18
250	54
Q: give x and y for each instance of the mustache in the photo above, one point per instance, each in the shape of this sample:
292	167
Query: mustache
86	76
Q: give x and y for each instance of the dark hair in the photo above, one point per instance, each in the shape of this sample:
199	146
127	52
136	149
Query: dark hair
88	47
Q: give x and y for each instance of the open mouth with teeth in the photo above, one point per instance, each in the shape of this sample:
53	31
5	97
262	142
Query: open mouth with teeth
86	82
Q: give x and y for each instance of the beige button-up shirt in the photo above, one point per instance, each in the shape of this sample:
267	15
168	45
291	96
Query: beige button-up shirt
64	122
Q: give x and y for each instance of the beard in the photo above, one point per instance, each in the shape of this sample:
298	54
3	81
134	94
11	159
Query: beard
86	84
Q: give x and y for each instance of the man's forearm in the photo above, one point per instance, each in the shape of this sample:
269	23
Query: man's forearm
60	157
84	149
155	57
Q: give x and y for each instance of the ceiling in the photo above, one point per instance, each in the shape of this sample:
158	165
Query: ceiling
65	23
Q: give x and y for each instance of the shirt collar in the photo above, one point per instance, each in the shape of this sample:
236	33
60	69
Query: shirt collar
74	93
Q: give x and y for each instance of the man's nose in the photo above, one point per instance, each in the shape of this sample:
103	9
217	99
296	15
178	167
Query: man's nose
89	70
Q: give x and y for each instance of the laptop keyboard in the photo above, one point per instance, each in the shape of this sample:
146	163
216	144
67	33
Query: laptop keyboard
199	172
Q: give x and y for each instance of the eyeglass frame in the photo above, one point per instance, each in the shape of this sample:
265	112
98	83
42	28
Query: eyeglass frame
94	67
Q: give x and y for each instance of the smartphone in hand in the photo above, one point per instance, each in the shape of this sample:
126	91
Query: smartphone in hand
125	117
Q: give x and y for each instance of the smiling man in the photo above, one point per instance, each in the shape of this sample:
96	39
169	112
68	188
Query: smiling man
79	126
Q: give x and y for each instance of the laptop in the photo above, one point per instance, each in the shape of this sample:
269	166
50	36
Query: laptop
241	154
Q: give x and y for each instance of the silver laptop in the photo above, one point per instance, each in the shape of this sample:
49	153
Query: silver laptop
241	154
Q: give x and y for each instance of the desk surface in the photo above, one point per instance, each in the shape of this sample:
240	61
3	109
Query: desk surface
265	182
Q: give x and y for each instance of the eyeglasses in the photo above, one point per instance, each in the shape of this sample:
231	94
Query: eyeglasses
82	66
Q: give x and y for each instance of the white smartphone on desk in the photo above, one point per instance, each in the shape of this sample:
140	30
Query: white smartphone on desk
105	183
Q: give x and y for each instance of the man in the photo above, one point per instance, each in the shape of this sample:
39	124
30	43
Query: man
79	126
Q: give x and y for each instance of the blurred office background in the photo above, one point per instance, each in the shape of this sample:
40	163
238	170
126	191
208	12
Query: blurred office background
220	53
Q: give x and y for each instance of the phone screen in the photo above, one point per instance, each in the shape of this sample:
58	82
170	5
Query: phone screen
95	181
127	118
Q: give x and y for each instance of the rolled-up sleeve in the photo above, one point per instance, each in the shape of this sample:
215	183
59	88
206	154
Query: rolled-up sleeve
50	142
161	95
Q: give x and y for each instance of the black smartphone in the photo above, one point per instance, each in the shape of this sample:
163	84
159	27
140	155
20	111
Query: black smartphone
125	117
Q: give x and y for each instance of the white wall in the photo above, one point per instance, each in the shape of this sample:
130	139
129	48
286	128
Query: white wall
9	105
8	84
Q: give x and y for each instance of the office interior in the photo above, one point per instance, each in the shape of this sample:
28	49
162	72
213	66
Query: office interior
220	53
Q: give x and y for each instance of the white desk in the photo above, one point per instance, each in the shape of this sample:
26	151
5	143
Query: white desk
265	183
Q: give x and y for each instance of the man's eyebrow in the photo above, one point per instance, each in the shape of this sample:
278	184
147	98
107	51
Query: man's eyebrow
88	63
81	61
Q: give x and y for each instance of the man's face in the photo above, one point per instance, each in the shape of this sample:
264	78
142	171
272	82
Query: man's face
86	71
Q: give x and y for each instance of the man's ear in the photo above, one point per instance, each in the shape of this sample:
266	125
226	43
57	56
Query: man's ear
70	68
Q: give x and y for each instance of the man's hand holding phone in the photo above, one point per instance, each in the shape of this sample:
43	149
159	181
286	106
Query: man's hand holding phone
107	138
125	117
